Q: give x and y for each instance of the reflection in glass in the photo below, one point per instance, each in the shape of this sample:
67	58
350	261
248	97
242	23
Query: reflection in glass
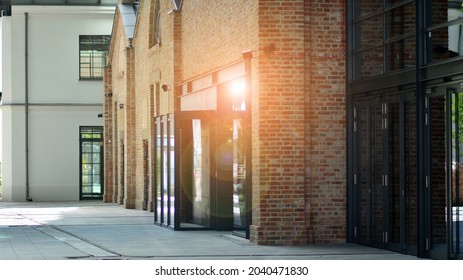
371	62
371	32
172	171
393	118
444	11
201	177
401	21
158	185
377	161
369	6
401	54
239	176
363	189
165	170
457	167
446	42
410	173
438	175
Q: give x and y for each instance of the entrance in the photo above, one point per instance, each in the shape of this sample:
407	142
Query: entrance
444	194
212	171
385	181
91	162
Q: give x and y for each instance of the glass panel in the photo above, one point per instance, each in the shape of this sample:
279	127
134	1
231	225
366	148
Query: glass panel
86	158
401	21
371	32
401	54
438	175
87	168
457	168
370	6
377	161
201	178
363	186
239	176
446	42
96	158
393	119
165	170
371	63
444	11
158	185
410	175
172	171
87	147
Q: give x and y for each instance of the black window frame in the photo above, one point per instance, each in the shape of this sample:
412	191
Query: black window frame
96	47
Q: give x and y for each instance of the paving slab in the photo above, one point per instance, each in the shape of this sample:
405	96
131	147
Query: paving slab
96	230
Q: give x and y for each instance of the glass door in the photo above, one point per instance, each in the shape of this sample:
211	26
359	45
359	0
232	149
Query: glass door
91	162
239	178
384	165
444	193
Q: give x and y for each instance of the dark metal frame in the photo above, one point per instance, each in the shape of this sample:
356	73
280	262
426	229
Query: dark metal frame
97	43
417	79
92	140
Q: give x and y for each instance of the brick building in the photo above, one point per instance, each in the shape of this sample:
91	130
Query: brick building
287	122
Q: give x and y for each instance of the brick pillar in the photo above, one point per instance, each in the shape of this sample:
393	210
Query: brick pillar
278	216
130	137
108	136
325	120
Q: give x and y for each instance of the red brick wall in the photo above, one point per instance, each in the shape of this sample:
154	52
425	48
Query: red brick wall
325	159
298	97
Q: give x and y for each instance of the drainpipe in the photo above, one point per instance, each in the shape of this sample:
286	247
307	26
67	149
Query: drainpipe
26	102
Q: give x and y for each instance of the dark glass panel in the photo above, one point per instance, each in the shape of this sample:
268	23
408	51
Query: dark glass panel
377	172
410	175
438	175
446	42
444	11
393	123
370	6
239	175
401	21
371	32
457	168
371	63
401	54
363	186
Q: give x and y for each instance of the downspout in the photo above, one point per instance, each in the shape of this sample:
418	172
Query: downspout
26	102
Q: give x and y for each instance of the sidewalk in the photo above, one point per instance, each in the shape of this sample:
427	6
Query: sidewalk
96	230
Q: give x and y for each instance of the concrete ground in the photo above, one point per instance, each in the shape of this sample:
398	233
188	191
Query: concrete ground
96	230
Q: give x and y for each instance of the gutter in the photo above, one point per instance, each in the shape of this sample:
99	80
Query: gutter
26	102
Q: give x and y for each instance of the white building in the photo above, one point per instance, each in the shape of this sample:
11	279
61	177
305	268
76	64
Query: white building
52	57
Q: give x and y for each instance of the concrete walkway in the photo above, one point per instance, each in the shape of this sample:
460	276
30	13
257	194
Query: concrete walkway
95	230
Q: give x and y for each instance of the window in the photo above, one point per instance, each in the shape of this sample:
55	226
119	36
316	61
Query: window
384	37
92	56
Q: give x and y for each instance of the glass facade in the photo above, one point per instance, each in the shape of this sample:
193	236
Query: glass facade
405	82
200	177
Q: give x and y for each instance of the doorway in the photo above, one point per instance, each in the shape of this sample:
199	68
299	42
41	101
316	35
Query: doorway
443	196
91	162
211	184
385	181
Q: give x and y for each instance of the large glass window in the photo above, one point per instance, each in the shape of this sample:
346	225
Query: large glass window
384	37
93	50
445	32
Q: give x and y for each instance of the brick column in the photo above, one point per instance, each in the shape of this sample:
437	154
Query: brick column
108	136
130	137
278	127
